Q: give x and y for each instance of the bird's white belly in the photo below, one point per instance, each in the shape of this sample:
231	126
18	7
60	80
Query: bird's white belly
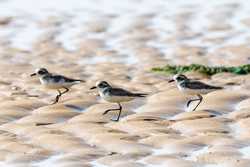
117	99
194	91
55	85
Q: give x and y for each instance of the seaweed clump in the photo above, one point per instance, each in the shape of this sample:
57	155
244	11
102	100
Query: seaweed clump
208	70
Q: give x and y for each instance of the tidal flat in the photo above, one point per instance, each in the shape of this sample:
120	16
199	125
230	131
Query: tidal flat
120	42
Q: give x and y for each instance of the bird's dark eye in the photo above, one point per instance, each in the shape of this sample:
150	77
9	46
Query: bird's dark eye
102	84
180	78
41	72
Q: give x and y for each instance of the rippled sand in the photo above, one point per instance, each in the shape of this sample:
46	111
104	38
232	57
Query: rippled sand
120	41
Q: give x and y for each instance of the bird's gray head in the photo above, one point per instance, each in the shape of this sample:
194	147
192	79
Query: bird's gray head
101	85
178	78
40	72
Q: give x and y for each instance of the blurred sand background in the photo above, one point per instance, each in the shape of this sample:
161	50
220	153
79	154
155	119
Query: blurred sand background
120	41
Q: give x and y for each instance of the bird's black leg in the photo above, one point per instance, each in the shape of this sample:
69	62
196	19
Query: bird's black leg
57	97
200	100
60	94
119	114
66	90
115	109
188	103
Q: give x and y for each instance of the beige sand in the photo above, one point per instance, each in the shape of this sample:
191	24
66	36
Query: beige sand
120	43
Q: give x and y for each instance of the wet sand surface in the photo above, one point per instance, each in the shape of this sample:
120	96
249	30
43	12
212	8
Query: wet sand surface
120	41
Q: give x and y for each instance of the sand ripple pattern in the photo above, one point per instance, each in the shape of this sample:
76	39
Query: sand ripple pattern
121	41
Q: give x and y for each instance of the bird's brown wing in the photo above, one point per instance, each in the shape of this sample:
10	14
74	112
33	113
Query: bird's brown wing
198	85
123	92
57	78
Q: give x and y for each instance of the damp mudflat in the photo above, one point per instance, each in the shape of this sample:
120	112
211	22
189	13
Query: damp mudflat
120	42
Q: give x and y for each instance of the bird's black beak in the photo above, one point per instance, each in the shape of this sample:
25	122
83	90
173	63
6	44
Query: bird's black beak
34	74
94	87
171	81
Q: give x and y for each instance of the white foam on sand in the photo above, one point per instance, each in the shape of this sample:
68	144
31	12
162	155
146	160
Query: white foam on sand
48	162
55	161
194	154
245	151
142	161
235	130
212	165
96	164
79	12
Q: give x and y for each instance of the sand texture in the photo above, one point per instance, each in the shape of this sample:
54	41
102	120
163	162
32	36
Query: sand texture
120	41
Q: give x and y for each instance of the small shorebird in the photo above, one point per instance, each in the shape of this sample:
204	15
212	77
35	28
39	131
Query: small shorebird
58	82
115	95
192	87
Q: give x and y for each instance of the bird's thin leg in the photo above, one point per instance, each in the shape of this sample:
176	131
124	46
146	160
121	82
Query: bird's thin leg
200	100
114	109
66	90
57	97
189	102
60	94
119	114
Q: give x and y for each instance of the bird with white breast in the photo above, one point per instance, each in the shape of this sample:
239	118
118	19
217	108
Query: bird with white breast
54	81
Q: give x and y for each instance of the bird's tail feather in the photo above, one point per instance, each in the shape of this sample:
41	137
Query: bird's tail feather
79	80
140	94
217	87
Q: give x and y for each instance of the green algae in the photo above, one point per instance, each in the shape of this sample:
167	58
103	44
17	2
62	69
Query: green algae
208	70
